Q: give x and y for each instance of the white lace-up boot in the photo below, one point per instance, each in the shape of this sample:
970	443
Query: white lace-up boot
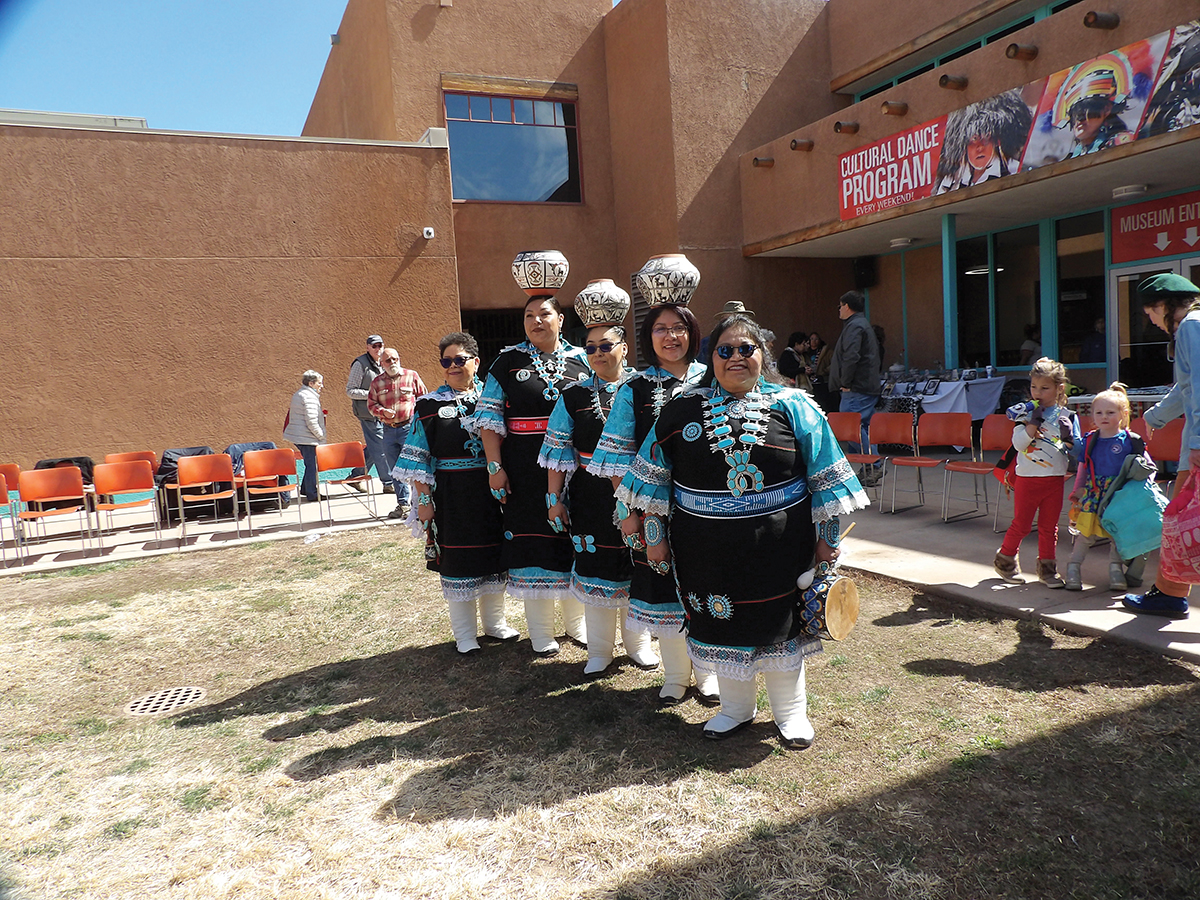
463	622
789	706
739	703
602	638
495	624
539	616
677	668
639	645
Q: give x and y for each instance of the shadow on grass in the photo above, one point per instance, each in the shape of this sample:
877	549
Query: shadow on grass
501	731
1037	665
1106	810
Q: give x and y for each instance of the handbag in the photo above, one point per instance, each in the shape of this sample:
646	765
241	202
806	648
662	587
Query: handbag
1133	518
1180	557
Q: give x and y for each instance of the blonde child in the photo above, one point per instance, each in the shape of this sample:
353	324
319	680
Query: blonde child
1045	436
1101	456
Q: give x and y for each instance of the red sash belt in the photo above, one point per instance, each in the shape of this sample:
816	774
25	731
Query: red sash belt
528	426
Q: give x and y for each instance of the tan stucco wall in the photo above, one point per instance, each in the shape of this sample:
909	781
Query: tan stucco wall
692	86
168	290
543	40
861	31
355	96
771	198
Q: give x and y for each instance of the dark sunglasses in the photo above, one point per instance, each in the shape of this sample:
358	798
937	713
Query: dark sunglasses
745	351
460	361
606	347
380	344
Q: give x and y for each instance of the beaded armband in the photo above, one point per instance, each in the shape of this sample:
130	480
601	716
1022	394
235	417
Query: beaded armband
830	532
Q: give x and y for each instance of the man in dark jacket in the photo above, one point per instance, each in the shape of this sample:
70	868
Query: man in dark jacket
363	371
854	371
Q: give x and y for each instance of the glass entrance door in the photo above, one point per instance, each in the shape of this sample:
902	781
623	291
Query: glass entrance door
1139	348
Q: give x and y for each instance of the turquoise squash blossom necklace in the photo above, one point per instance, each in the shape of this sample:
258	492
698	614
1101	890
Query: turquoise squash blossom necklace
550	372
717	410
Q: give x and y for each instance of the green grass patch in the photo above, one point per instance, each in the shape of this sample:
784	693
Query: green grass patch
133	767
69	623
91	727
51	737
199	798
85	636
124	828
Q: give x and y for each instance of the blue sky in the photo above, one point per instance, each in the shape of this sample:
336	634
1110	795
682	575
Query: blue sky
243	66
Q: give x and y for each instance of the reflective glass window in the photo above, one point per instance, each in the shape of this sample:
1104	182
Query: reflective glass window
509	149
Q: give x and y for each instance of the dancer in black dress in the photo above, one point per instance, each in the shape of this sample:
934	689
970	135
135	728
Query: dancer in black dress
523	384
582	502
742	482
670	338
461	521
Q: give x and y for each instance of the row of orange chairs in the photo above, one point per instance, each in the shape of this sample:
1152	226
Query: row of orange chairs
123	474
954	430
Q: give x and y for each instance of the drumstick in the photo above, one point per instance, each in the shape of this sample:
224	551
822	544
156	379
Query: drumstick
847	531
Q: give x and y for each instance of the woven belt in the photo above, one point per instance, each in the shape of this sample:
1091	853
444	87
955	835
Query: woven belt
478	462
723	505
528	426
396	424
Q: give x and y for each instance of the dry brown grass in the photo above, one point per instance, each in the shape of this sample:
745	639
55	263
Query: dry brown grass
344	750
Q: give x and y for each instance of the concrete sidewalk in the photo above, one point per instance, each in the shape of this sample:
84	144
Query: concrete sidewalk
954	560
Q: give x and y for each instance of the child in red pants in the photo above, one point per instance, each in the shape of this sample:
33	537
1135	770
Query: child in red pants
1045	436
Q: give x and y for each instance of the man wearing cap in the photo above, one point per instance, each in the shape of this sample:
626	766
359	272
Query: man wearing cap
391	399
363	371
854	371
1173	304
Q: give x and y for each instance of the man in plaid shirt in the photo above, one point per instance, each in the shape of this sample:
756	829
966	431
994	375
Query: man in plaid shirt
391	399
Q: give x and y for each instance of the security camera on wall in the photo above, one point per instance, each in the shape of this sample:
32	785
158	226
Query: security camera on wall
427	233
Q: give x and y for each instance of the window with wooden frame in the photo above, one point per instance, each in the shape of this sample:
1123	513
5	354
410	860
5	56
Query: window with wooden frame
513	140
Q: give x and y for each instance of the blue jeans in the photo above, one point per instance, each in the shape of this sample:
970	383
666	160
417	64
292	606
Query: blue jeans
864	405
393	440
308	484
373	438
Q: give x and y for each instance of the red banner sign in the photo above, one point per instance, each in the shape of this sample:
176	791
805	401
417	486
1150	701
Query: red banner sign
1165	227
896	170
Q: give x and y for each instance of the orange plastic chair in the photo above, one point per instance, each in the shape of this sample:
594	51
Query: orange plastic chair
1166	442
205	471
1139	427
346	455
4	501
933	430
111	479
996	434
261	476
847	428
133	456
51	485
1086	423
12	474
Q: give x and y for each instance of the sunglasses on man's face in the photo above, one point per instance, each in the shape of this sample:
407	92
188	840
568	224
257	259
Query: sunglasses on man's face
745	351
460	361
377	346
606	347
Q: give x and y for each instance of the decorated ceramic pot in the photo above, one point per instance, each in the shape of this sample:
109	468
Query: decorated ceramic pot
670	278
602	303
540	273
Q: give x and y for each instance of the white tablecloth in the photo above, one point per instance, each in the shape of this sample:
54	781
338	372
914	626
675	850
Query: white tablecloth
979	397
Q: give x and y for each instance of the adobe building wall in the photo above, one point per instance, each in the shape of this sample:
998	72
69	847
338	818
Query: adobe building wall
543	40
692	86
355	96
863	31
168	290
772	214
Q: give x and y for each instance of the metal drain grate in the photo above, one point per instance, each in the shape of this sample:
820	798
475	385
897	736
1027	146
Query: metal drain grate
166	700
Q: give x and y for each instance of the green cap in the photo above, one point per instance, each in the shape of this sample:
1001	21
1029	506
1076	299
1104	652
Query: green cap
1159	287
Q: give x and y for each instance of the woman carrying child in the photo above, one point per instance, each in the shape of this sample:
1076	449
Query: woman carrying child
1101	458
1045	435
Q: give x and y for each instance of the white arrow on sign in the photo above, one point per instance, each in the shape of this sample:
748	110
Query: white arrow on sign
1163	241
1191	237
